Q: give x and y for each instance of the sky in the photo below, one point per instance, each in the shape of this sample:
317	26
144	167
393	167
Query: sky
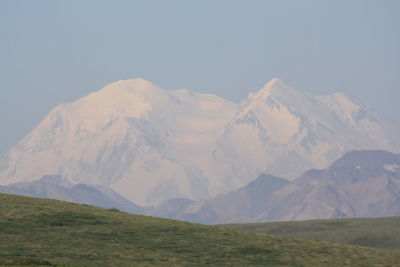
57	51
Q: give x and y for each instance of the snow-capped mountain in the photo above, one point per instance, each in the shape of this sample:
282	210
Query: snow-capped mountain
287	131
151	145
144	142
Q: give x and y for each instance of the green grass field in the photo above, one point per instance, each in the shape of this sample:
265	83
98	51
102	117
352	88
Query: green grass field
41	232
371	232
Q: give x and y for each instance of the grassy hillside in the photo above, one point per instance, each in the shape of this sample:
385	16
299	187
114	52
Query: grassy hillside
39	231
372	232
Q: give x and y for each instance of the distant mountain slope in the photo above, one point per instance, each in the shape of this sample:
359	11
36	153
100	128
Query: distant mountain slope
372	232
237	206
151	145
359	184
49	230
57	187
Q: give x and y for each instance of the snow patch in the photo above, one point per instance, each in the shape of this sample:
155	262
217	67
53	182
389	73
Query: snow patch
392	167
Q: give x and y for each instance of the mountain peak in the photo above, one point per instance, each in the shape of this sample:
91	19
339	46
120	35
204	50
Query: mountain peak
275	87
140	82
131	84
136	89
275	82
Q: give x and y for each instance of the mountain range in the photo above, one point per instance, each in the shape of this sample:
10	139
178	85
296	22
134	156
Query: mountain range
359	184
152	145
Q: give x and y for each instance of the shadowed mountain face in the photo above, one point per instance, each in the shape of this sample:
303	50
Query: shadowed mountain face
57	187
360	184
151	145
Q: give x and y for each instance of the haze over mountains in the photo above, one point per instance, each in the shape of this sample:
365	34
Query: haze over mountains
151	145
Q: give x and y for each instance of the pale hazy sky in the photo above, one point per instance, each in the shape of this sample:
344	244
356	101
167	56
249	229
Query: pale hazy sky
58	51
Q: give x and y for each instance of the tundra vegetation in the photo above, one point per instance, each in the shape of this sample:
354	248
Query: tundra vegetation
40	232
